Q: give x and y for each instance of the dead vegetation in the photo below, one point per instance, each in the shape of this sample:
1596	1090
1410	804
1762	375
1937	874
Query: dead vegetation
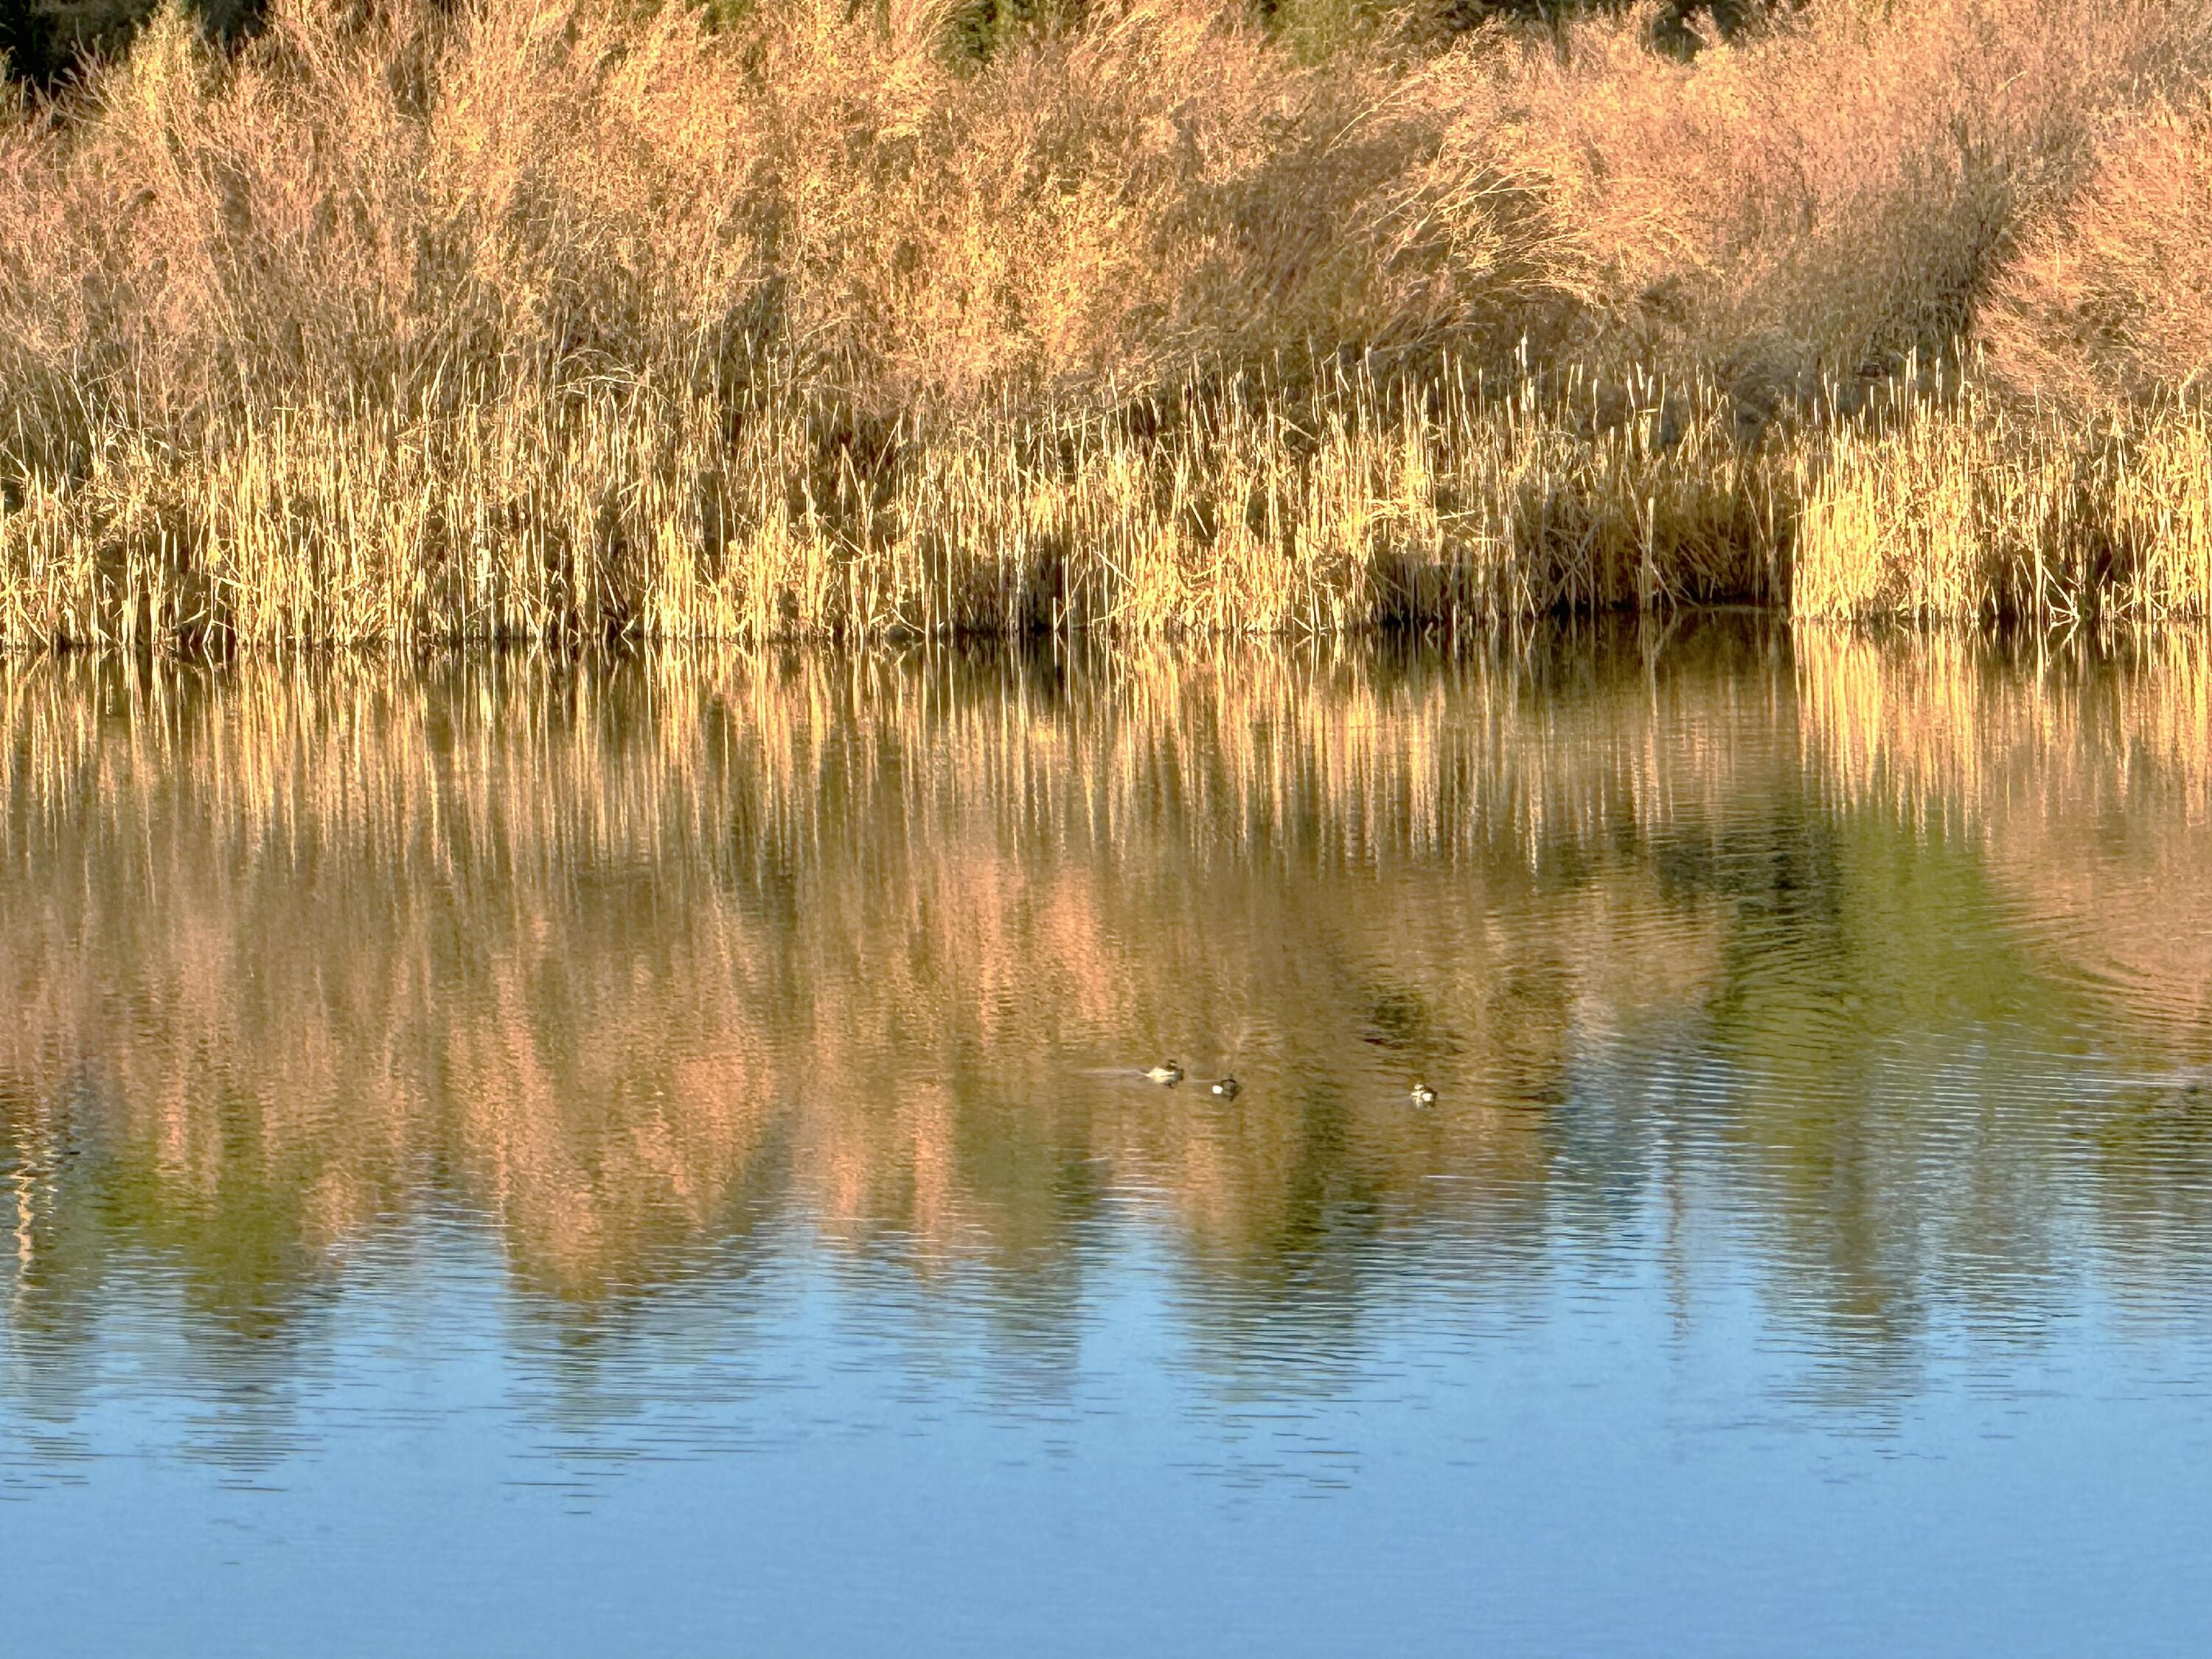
409	323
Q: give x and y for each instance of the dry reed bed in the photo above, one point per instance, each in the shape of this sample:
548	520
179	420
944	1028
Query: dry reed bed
619	515
420	325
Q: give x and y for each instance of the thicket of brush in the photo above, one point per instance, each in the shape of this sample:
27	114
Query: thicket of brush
411	322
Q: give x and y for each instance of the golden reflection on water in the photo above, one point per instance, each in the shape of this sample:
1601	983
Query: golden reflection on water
1894	953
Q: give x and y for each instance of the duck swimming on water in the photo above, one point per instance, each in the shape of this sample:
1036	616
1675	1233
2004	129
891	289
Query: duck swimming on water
1227	1088
1169	1074
1423	1095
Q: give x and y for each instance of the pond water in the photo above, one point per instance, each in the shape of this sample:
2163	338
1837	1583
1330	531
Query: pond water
505	1157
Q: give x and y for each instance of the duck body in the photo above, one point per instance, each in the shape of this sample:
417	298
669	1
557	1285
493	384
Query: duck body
1227	1088
1167	1075
1422	1095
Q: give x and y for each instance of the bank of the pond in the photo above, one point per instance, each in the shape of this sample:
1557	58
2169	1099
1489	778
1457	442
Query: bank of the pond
610	515
420	324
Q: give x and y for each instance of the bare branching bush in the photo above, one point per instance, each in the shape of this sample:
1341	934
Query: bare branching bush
2109	302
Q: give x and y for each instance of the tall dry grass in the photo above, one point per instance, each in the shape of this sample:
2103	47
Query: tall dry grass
418	322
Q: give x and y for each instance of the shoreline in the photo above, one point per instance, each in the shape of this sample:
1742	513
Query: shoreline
442	324
1333	516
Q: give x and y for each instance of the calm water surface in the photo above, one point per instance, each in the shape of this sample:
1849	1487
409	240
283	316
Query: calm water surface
501	1158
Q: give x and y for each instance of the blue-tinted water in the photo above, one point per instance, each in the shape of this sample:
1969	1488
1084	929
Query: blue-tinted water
507	1158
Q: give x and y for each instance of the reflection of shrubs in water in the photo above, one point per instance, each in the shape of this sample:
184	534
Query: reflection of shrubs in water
848	909
385	939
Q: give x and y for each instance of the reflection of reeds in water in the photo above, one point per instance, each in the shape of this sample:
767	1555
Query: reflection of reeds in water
633	955
2084	770
603	946
2080	774
2079	725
